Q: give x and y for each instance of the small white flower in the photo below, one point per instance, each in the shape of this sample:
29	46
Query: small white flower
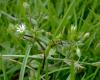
21	28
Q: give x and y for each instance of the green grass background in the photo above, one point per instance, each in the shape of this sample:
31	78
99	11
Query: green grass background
69	54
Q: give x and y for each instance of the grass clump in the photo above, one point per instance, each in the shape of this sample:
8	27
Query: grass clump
49	40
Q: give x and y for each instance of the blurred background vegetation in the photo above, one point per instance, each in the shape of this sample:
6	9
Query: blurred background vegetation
67	32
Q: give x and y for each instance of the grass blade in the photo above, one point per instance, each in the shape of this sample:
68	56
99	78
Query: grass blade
21	77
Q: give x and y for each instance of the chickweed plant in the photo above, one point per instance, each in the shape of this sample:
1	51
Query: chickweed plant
49	40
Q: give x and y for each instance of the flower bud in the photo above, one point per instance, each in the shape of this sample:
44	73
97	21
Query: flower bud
86	35
78	52
25	5
73	27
